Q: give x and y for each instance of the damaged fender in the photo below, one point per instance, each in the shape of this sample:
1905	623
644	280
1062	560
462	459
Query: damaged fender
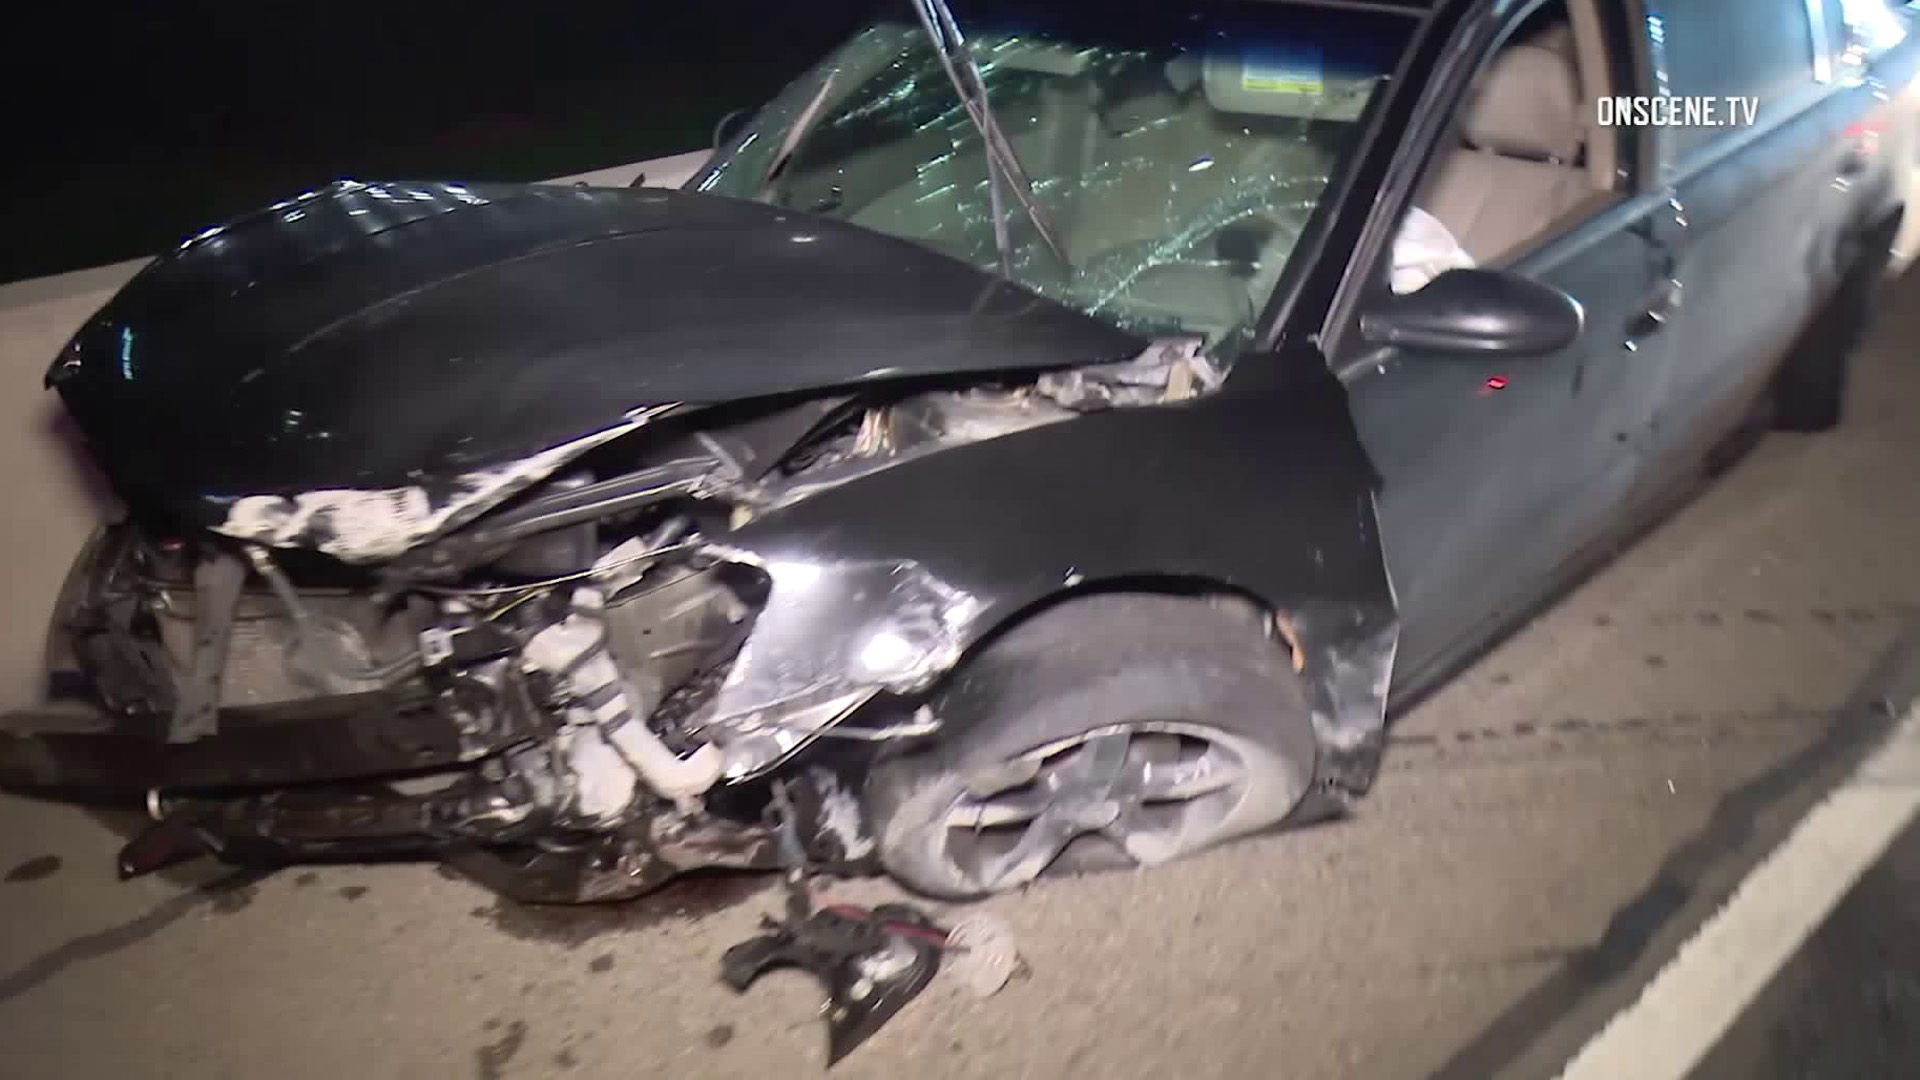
832	636
1261	489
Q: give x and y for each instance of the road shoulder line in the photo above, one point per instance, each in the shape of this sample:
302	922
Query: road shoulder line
1718	973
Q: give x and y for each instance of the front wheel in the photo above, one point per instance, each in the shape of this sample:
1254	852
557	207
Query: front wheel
1109	731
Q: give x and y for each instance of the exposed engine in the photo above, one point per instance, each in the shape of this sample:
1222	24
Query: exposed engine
577	690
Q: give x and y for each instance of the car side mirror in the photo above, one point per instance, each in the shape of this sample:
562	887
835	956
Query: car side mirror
1476	312
729	126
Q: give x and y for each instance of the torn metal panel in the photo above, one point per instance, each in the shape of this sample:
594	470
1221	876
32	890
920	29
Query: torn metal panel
748	449
359	526
1347	654
572	504
1171	369
1168	370
829	637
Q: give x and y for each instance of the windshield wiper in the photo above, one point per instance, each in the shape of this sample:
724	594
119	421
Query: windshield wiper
1003	165
801	125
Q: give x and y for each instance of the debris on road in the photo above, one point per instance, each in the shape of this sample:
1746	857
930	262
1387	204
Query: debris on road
872	962
985	956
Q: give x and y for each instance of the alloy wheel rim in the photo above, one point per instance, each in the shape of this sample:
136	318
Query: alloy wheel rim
1146	792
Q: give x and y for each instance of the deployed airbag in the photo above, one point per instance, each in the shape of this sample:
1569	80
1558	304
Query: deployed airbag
1423	250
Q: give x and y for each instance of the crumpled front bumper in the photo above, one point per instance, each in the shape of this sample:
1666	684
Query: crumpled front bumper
69	746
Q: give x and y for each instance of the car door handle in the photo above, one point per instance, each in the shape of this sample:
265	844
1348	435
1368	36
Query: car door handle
1853	164
1661	307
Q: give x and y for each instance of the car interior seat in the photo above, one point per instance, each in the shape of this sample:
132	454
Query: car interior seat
1519	165
1579	38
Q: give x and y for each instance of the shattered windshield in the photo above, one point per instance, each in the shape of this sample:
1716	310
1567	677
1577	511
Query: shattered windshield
1176	151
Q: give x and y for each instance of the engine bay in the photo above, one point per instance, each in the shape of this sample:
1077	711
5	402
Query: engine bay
587	675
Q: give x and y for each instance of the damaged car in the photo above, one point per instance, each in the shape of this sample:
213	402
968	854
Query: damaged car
1031	443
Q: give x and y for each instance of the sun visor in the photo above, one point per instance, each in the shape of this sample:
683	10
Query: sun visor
1296	81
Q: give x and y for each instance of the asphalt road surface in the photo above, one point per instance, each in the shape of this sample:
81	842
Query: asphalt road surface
1728	699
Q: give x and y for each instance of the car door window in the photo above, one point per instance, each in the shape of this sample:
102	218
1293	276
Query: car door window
1517	169
1723	49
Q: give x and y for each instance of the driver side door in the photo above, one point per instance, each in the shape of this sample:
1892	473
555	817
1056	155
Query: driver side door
1498	470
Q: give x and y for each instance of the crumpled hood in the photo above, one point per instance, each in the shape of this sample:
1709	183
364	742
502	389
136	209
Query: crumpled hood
369	337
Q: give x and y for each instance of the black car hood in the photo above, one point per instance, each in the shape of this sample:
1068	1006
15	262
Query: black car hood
368	336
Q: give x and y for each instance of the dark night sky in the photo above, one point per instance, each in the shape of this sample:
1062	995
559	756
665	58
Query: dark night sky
131	124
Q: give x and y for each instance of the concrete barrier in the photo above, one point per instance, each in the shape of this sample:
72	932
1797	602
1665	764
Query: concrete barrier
53	498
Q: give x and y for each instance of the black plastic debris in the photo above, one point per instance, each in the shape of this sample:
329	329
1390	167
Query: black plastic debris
871	961
165	843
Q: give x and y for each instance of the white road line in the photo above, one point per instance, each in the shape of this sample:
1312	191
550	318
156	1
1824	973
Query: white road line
1696	998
